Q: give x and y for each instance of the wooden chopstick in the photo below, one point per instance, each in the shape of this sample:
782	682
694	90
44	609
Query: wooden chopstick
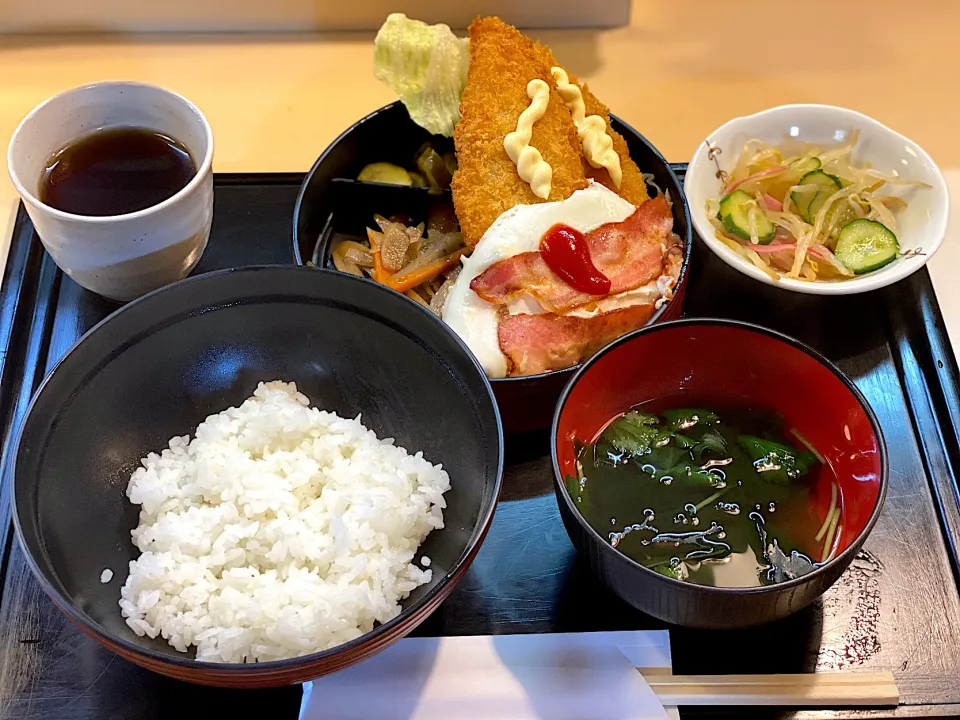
813	689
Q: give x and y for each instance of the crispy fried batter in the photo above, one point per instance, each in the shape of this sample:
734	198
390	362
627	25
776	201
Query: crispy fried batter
632	188
486	184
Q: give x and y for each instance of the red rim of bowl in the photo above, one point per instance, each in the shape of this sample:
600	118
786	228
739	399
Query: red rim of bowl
687	238
845	555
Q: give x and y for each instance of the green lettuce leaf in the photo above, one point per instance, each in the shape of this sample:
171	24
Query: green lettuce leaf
426	65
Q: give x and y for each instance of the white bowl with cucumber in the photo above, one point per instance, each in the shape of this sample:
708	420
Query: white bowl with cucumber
817	199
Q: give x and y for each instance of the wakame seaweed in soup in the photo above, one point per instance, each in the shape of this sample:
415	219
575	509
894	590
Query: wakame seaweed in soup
721	498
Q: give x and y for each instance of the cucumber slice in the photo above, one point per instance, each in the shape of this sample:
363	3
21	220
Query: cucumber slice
817	203
866	245
733	200
806	165
735	214
839	216
809	203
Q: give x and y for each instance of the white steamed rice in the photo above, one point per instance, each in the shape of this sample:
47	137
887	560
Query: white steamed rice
280	530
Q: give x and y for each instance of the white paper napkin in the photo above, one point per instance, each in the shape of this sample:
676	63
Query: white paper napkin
563	676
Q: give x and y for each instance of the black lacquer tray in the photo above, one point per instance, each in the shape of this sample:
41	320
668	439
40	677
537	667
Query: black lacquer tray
897	608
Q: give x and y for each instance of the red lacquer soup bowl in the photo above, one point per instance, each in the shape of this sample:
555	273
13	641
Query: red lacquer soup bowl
725	363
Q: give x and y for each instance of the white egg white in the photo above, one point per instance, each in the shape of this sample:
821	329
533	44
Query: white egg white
519	230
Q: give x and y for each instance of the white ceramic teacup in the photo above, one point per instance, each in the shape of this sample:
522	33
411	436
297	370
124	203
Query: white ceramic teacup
118	256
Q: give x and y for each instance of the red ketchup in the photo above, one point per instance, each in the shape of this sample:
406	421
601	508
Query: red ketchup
566	253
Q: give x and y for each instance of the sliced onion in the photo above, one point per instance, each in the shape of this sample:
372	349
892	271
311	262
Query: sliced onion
436	246
650	180
892	203
344	265
841	152
880	212
742	249
355	252
769	172
415	296
767	249
749	158
752	224
440	297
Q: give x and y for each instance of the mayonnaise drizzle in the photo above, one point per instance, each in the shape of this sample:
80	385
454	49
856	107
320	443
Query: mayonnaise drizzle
592	129
531	166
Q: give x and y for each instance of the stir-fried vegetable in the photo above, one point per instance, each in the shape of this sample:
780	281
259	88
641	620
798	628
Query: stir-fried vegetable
424	273
402	258
350	256
440	297
434	170
384	172
787	213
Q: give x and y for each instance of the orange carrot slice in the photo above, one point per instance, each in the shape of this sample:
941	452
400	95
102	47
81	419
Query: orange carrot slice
410	280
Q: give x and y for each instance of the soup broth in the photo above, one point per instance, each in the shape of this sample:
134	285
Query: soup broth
719	497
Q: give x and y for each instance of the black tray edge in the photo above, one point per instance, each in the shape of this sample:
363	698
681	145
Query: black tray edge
927	365
27	295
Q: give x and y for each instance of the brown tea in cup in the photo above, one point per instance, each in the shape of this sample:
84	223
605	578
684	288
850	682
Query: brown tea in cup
115	171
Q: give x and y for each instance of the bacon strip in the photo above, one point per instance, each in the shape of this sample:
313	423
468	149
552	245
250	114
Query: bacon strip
630	253
540	343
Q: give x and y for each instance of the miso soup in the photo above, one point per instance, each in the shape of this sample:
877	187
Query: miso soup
720	497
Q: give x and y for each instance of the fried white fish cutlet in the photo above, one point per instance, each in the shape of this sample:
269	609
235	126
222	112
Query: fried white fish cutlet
486	184
633	188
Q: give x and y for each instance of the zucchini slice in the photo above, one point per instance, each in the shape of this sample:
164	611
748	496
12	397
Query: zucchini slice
866	245
808	203
735	212
383	172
